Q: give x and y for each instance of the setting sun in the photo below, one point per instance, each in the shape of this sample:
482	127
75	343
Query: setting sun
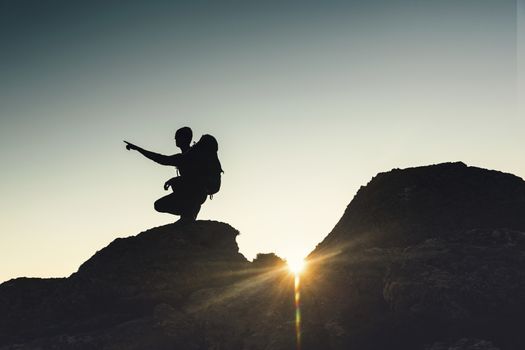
296	265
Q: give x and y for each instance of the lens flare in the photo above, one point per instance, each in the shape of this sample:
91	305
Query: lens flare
297	266
297	292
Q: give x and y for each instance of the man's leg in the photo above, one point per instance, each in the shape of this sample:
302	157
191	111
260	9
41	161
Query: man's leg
192	205
169	204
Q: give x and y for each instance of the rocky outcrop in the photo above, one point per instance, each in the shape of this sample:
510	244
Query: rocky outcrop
427	258
403	207
118	298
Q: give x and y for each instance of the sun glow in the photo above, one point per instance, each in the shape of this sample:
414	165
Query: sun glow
296	266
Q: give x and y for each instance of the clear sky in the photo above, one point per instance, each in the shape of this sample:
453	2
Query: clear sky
308	100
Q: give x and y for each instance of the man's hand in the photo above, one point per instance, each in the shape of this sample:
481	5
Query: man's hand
156	157
130	146
171	183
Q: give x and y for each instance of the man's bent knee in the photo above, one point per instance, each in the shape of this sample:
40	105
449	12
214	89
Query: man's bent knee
166	205
158	206
161	205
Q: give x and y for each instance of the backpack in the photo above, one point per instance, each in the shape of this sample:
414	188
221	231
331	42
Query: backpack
205	152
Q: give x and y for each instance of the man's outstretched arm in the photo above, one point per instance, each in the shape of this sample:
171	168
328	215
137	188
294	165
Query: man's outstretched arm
156	157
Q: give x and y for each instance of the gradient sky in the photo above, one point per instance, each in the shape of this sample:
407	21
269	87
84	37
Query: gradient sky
308	100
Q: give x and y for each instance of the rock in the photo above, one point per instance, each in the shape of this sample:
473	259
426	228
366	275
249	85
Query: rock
464	344
268	260
122	287
424	254
426	258
404	207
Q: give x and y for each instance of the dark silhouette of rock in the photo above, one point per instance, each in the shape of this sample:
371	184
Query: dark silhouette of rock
464	344
124	285
427	258
425	255
403	207
268	260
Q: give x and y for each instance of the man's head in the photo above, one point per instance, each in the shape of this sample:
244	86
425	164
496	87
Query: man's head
183	137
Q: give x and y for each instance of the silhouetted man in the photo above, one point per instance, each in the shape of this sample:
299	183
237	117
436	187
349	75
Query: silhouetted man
188	190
